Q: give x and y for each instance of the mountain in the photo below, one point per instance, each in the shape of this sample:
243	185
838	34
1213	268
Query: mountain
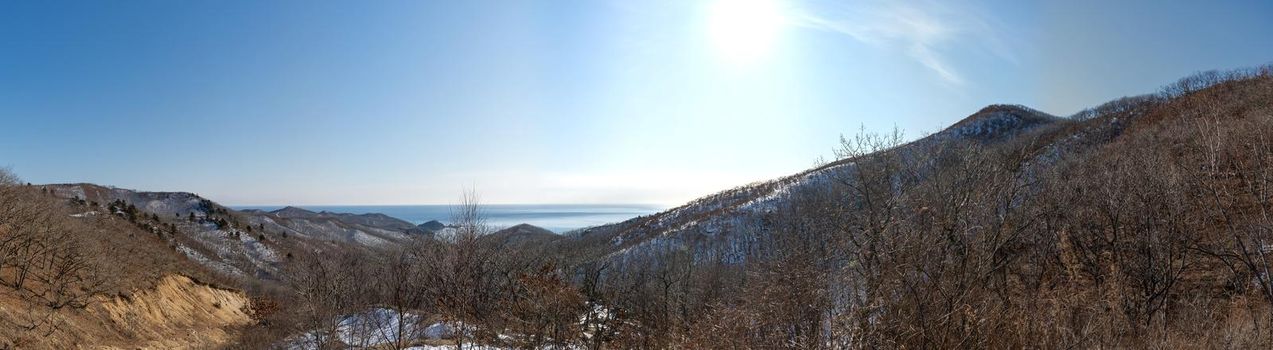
204	231
432	226
365	229
375	220
522	235
161	203
718	225
293	212
251	243
727	226
996	122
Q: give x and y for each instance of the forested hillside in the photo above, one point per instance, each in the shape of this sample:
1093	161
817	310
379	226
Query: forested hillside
1144	221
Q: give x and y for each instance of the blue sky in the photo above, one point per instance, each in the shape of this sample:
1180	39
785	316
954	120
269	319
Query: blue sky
659	101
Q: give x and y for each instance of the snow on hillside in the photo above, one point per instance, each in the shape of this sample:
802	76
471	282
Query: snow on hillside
334	227
722	225
214	265
219	238
995	122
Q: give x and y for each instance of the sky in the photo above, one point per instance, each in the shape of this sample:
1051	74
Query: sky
563	101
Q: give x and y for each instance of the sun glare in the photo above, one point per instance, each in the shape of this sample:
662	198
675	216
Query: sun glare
744	31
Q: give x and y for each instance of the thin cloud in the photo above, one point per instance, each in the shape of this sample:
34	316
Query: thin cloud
919	29
925	55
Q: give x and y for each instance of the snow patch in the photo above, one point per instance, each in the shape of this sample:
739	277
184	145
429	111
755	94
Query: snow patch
218	266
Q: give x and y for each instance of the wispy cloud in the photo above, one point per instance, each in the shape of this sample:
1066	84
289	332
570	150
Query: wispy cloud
922	30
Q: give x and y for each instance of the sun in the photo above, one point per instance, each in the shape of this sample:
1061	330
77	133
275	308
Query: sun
744	31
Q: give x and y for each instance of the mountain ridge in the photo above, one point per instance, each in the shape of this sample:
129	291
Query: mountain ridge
723	211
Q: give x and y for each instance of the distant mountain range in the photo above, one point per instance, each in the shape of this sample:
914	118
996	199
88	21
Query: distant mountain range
245	246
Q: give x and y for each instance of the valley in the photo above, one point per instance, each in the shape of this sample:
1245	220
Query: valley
1142	222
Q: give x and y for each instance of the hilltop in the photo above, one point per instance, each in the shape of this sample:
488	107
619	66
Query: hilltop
719	224
250	243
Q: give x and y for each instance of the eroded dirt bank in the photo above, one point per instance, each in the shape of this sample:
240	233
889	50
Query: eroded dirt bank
177	313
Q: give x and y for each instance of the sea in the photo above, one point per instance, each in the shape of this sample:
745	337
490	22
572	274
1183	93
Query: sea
559	218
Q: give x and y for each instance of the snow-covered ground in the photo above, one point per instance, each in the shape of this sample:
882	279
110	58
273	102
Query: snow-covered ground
376	327
452	347
381	326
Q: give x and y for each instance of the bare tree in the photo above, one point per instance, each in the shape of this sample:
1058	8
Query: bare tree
544	310
328	285
8	178
465	270
45	257
399	281
468	218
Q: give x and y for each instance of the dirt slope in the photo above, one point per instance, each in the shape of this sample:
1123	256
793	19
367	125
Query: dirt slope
178	313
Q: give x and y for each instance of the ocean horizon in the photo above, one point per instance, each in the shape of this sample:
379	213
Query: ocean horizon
559	218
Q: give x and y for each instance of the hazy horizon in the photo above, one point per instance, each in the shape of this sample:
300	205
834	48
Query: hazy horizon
656	102
559	218
307	206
